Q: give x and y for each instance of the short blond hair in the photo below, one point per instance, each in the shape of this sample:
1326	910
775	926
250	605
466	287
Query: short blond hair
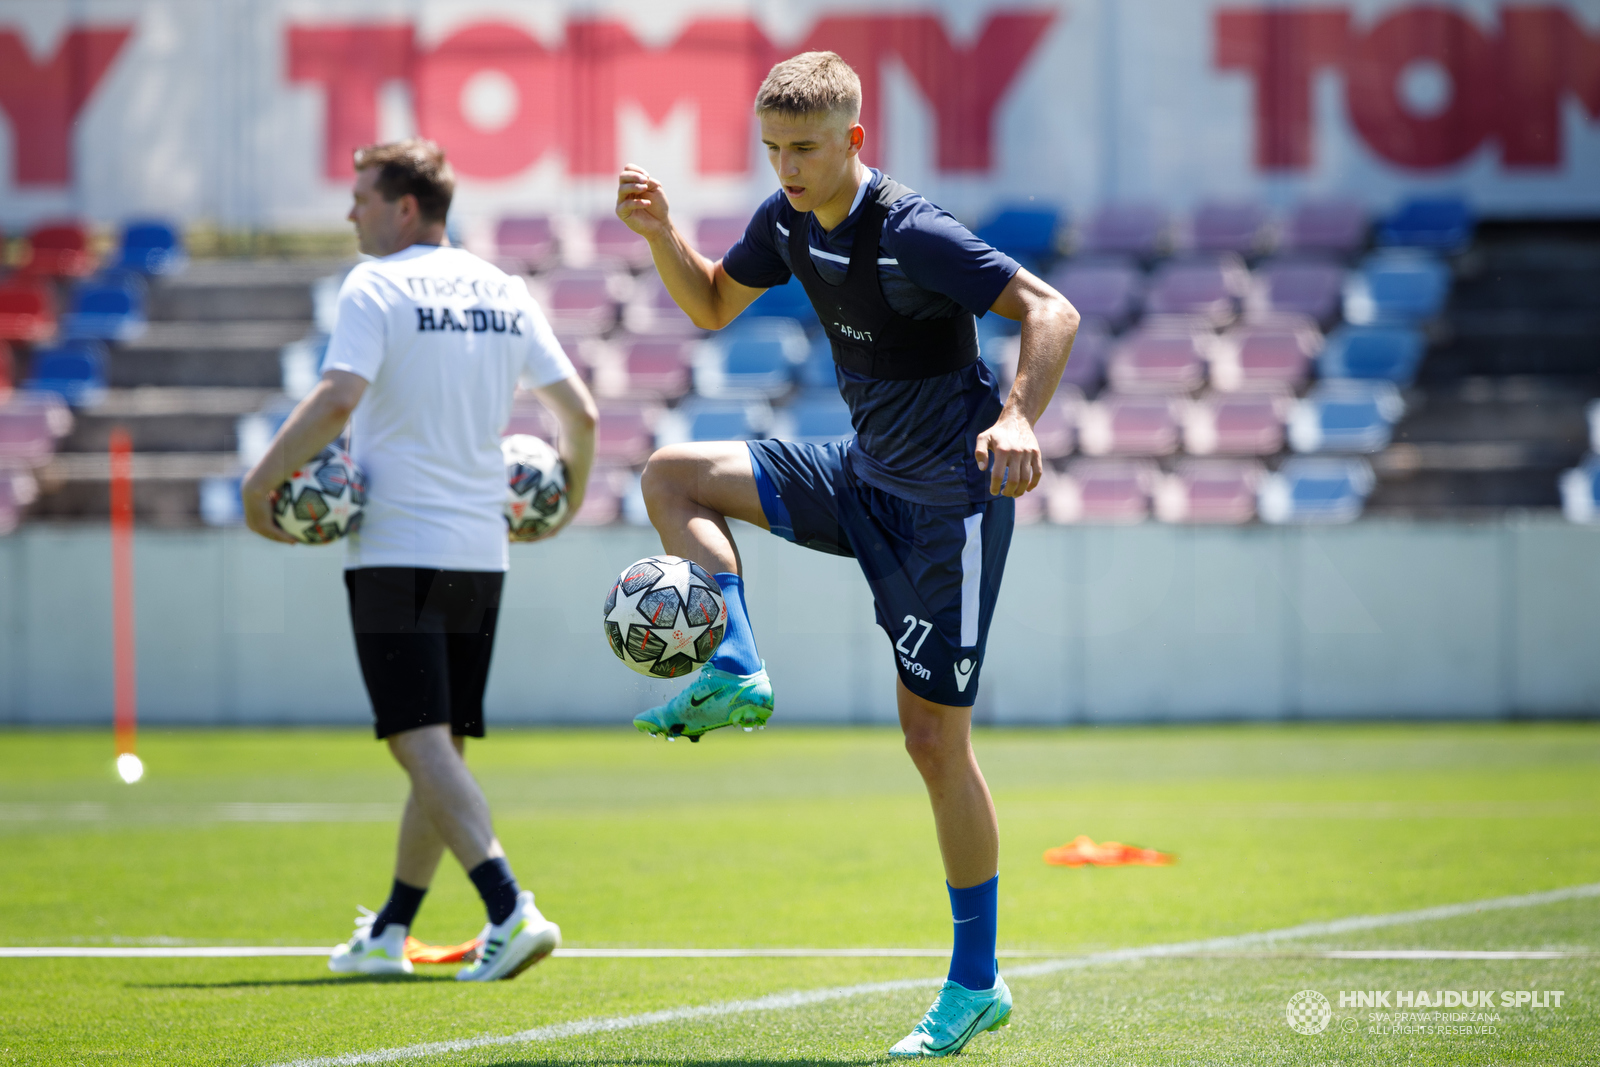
414	167
811	83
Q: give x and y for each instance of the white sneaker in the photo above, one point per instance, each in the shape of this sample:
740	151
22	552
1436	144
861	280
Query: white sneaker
365	954
511	947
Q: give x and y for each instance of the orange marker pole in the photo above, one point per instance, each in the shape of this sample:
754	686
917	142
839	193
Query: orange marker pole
124	670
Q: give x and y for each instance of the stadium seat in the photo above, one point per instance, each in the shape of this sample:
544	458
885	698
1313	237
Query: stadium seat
1130	229
1345	416
1442	224
755	360
1389	353
75	371
1309	287
152	247
715	234
1315	490
59	250
525	245
814	419
1026	234
1334	226
8	371
626	431
220	504
1248	424
1113	492
581	302
26	312
30	425
17	490
1124	425
1231	226
653	311
1209	491
1396	286
1580	492
1273	357
648	368
105	310
1212	289
787	301
602	502
1057	428
699	419
1086	368
614	242
1148	361
1111	292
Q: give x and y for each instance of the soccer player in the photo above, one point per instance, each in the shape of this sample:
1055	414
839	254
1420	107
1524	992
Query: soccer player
430	344
923	495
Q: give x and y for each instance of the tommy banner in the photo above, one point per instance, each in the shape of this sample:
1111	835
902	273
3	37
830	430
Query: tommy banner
244	113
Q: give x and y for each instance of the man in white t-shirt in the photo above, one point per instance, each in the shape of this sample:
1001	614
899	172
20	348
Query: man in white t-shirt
430	344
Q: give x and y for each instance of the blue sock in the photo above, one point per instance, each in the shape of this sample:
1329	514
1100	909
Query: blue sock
497	886
974	910
401	908
737	653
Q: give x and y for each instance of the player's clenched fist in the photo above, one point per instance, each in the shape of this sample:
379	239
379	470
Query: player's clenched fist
1009	451
641	202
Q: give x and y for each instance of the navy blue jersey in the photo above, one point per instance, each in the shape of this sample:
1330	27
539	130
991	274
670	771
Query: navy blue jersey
914	438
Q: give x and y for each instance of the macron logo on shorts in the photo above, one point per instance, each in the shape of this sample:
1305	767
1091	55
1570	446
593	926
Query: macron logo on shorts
964	669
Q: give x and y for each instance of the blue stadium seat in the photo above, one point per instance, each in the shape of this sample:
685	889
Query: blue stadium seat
755	360
105	310
75	371
787	301
817	373
1580	492
1026	234
1390	353
1443	224
816	419
1346	416
1315	491
152	247
219	501
1396	286
713	420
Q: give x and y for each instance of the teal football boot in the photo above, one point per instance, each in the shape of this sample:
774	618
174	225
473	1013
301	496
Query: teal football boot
957	1016
715	699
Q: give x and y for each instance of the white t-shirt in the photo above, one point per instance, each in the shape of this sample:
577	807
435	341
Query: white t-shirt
442	337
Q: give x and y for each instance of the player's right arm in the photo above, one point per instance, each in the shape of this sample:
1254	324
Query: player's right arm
700	287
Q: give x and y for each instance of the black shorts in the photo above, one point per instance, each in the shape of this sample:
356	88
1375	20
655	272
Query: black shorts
424	638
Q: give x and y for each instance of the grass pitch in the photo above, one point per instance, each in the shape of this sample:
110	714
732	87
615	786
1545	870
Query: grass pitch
802	838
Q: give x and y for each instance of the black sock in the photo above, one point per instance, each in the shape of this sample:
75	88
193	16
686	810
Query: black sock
497	886
404	900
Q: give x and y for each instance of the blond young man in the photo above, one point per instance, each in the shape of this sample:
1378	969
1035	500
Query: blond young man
430	345
922	495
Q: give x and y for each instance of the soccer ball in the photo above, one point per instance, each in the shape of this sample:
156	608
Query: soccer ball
323	500
665	616
536	486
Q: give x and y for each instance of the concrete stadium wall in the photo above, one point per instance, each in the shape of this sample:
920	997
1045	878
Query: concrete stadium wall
1093	625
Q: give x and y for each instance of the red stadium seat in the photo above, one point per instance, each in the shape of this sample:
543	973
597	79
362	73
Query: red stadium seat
26	312
59	250
626	433
1209	491
30	424
1236	425
1130	229
1338	226
715	234
1212	289
525	245
1113	492
1111	292
1152	361
602	503
647	368
580	302
1231	226
653	311
1269	357
1123	425
1306	287
1057	428
614	242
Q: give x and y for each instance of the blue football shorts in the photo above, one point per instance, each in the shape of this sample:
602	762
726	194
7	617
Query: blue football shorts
934	571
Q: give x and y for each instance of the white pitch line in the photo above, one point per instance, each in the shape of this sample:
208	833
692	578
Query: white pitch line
800	999
1449	954
28	952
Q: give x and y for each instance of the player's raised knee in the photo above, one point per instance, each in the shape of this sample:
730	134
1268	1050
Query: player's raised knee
672	474
930	750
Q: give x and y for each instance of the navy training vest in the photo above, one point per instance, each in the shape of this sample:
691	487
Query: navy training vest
868	336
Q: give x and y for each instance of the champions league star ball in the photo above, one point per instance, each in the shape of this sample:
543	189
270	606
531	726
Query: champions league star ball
536	486
323	500
665	617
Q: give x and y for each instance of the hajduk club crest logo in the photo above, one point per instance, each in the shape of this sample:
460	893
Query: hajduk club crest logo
1308	1012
